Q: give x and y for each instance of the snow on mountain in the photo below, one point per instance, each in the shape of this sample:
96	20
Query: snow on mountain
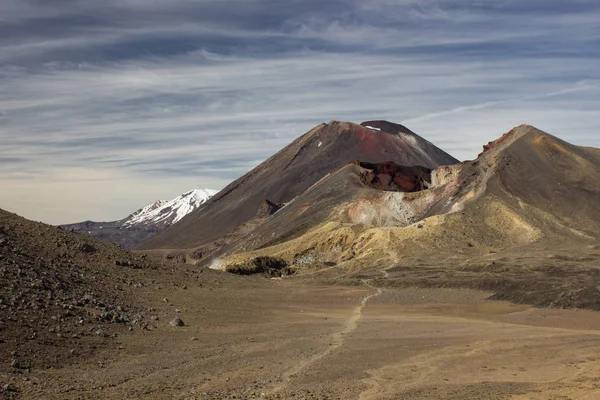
170	212
129	232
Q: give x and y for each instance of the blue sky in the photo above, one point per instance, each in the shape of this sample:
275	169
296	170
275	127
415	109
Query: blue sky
106	106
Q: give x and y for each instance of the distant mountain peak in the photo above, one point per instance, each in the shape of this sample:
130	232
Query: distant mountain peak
172	211
146	221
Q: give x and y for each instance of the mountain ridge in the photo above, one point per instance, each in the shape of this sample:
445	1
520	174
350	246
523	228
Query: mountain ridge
526	189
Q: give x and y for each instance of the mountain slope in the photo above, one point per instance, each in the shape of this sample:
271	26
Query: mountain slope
521	221
63	290
66	298
291	172
355	196
532	172
526	187
146	221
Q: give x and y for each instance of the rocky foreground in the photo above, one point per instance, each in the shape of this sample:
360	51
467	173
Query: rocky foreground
65	296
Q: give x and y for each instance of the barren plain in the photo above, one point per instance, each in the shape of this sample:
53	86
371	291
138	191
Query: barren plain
291	339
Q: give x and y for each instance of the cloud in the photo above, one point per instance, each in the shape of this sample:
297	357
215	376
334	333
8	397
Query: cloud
580	86
106	107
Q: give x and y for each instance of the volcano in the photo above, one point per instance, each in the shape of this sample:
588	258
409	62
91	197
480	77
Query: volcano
360	196
522	220
232	213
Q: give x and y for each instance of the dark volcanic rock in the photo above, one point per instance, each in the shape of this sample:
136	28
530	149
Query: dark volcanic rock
393	177
267	209
271	266
20	363
87	248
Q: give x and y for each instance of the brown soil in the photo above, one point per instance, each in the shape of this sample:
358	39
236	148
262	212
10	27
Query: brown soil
334	331
295	340
66	296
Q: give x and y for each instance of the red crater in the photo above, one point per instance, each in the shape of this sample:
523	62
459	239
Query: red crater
393	177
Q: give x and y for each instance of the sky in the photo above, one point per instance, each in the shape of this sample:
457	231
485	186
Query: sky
106	106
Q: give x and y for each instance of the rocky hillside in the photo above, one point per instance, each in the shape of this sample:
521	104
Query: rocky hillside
59	287
65	294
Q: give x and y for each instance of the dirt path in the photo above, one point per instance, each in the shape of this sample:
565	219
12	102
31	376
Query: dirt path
290	341
337	341
338	338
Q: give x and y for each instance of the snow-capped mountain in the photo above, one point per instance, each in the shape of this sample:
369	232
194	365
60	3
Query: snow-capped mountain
146	221
172	211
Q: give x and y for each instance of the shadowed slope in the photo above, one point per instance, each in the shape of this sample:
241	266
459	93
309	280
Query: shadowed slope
58	288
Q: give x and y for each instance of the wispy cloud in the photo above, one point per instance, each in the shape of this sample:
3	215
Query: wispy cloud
107	106
578	87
